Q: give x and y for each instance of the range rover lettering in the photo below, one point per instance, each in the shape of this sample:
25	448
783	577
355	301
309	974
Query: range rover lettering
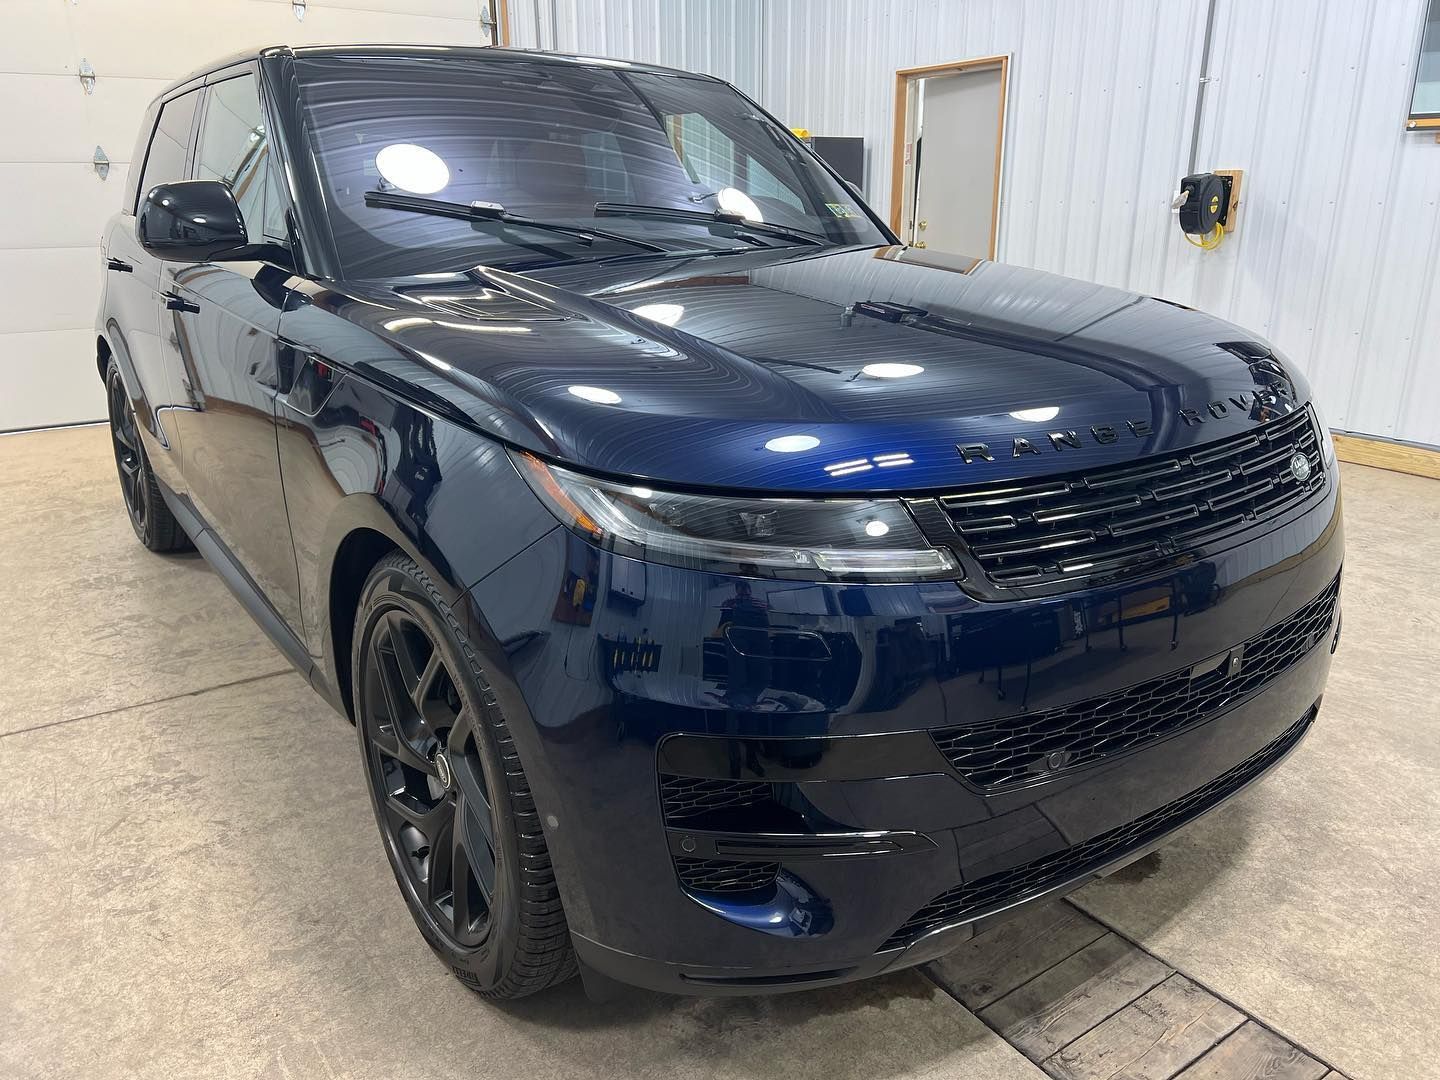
727	598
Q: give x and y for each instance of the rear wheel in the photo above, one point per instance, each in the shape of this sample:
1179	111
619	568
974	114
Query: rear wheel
149	516
450	796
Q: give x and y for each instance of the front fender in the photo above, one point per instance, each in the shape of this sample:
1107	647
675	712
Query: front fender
368	473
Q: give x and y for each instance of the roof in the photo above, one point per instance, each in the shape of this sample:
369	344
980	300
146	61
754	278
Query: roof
427	52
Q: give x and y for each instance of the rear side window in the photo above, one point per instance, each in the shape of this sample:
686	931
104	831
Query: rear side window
235	148
166	160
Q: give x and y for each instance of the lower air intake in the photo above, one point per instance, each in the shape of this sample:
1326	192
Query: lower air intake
986	895
724	876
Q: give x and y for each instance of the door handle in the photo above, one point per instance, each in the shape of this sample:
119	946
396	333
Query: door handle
176	302
119	265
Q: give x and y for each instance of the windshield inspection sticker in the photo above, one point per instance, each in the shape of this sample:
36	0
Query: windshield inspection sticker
842	209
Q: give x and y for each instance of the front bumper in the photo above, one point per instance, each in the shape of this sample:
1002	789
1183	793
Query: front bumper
743	782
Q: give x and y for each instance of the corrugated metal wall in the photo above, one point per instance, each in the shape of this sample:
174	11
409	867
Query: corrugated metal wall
718	37
1336	259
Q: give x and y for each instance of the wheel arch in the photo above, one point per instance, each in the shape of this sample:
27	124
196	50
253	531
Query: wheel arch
359	552
103	353
363	532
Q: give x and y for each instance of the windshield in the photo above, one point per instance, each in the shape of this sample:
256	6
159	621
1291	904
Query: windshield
549	141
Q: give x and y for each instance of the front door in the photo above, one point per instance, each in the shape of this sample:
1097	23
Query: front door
222	319
133	280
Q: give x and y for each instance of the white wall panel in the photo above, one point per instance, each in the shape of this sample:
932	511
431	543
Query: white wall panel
1338	257
48	288
53	207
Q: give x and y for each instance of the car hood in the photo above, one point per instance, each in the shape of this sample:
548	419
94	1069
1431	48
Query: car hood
758	371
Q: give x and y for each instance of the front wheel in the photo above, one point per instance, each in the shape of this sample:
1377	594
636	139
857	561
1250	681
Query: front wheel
454	808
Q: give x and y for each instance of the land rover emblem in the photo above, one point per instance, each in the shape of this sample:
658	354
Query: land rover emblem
1300	466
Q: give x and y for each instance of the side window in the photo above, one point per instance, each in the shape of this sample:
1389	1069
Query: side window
235	148
165	161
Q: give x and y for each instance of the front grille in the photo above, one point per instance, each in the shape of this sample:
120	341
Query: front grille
999	753
688	799
1124	520
975	899
723	876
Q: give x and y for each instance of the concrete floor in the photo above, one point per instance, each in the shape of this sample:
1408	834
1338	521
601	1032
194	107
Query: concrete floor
190	882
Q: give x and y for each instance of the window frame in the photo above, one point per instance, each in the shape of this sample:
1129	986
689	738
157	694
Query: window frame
1429	120
272	133
196	86
198	136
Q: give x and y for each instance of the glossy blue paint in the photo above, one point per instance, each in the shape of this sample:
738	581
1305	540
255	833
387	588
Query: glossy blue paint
313	423
759	347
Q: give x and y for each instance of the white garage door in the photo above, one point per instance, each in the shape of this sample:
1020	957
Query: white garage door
53	205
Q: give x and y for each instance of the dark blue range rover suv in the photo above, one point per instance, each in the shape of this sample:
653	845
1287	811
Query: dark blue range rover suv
727	597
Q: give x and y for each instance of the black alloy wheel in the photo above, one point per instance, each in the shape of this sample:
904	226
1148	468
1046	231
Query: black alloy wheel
149	516
454	810
425	765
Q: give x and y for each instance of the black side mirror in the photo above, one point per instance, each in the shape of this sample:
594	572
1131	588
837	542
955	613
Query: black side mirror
191	221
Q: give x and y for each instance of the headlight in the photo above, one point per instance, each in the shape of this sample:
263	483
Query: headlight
813	539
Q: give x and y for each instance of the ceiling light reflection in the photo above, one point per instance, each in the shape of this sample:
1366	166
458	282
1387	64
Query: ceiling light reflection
845	468
413	168
668	314
734	201
891	371
1037	416
791	444
597	394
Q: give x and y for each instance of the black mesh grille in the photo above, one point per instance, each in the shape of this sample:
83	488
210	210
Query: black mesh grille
723	876
977	898
1009	751
1116	521
689	798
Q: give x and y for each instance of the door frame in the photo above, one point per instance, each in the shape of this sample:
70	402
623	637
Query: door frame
905	80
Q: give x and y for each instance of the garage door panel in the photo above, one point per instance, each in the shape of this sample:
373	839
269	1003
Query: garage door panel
144	39
49	378
49	288
323	25
36	38
54	120
56	205
45	119
152	39
449	9
113	114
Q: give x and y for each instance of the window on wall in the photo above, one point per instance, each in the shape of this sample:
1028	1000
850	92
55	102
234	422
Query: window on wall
1425	102
235	149
165	161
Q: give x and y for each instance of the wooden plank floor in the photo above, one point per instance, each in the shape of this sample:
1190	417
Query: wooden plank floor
1085	1003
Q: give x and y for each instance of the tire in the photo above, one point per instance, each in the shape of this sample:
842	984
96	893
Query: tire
150	517
450	796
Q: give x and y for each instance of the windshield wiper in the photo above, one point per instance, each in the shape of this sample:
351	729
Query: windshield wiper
483	211
708	217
